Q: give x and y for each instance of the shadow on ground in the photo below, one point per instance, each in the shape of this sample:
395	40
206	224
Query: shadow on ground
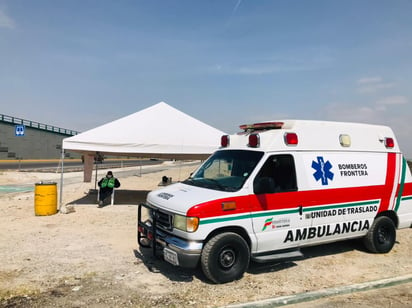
122	196
158	265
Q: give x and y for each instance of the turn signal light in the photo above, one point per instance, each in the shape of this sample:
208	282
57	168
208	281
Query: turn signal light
192	224
229	205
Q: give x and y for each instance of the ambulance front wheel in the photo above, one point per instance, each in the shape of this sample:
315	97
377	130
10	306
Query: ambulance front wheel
381	236
225	257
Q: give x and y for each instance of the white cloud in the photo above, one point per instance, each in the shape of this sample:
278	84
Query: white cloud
348	112
267	68
374	87
369	85
369	80
6	21
285	61
392	100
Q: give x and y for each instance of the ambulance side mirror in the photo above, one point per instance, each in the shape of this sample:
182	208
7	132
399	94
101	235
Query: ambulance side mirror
264	185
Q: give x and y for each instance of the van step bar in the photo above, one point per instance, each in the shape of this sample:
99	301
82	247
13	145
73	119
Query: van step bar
278	255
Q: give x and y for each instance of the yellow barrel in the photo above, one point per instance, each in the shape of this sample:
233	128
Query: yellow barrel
45	198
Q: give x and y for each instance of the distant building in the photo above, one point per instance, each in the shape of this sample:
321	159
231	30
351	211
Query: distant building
24	139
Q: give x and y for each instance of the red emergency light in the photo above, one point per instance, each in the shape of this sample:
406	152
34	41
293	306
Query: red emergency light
291	138
254	141
225	141
262	126
389	142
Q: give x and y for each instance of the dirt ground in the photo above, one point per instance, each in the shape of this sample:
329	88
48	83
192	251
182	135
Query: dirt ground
90	258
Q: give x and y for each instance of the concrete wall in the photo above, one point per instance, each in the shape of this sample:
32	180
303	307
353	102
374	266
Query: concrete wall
35	144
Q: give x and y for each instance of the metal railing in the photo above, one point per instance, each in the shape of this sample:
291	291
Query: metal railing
37	125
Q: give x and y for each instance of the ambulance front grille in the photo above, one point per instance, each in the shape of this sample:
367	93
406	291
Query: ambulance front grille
164	220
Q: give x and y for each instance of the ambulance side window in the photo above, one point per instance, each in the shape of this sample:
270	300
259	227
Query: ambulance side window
277	175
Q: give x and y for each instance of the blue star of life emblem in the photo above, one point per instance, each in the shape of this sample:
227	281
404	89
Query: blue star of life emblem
323	172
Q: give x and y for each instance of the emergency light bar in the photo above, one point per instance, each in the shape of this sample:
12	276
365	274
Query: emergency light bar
262	126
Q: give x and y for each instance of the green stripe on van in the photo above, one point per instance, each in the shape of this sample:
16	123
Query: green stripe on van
336	206
399	197
284	212
222	219
252	215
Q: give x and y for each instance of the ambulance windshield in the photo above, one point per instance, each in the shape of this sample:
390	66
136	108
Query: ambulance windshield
225	170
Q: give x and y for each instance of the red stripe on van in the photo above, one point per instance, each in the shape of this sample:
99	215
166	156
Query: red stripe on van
389	183
292	200
287	200
407	189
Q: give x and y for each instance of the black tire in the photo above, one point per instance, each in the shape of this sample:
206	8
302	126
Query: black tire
381	236
225	257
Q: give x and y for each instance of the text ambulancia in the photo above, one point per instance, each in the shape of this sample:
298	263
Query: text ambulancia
279	186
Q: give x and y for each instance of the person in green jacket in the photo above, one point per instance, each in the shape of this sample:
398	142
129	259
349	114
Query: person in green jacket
106	186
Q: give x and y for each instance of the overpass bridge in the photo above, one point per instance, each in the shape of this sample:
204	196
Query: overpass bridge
24	139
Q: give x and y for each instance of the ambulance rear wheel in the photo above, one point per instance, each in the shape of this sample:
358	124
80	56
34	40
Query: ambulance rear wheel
381	236
225	257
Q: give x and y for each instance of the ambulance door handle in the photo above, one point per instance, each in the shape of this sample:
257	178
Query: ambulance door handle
300	210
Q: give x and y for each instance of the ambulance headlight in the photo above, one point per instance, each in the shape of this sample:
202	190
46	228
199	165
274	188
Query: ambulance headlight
187	224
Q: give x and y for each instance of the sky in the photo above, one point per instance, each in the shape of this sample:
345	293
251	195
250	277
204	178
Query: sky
78	64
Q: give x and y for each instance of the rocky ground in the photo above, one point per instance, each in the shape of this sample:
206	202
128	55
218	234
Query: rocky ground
90	258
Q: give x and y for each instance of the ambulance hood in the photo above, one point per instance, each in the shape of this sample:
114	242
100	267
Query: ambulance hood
179	197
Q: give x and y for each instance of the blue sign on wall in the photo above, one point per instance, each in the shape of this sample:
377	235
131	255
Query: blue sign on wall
19	130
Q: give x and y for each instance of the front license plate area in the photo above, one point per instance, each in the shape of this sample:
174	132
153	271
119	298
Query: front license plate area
170	256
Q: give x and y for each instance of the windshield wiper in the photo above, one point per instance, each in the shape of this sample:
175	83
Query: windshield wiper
216	183
189	181
207	183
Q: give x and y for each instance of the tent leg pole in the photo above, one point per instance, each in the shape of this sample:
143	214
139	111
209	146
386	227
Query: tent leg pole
61	180
95	178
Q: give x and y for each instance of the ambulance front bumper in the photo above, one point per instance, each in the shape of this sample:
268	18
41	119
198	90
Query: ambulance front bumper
180	252
175	250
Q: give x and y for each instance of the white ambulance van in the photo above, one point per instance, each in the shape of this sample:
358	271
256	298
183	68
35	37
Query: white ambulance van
276	187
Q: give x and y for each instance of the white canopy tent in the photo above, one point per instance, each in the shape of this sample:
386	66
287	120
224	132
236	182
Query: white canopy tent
159	131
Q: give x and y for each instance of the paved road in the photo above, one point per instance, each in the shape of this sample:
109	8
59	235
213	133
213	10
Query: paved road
121	169
390	292
70	165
